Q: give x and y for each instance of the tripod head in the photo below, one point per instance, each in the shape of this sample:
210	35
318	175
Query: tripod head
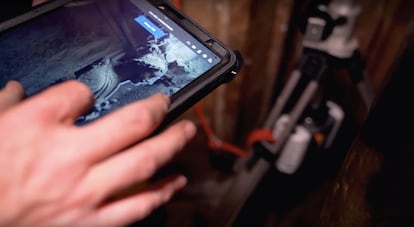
328	27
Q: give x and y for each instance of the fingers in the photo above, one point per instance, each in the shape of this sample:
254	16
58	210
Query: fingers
137	207
64	102
124	127
10	95
138	163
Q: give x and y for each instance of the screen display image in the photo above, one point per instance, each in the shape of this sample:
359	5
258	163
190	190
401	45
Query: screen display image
123	50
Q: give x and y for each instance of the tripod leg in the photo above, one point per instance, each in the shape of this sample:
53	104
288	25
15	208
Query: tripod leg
283	99
360	79
246	180
295	114
366	91
274	114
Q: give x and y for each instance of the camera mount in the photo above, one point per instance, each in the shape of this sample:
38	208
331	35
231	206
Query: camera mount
328	44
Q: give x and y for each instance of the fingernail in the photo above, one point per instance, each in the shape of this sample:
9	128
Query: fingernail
190	130
10	84
182	181
166	98
15	87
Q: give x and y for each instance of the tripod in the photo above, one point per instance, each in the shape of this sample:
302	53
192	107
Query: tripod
328	43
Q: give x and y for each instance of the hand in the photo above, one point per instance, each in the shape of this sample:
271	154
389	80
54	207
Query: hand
55	173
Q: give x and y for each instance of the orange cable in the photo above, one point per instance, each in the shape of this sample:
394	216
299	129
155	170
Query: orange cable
260	135
203	120
177	3
214	142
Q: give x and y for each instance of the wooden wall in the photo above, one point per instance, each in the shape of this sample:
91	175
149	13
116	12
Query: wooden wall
265	34
270	45
226	20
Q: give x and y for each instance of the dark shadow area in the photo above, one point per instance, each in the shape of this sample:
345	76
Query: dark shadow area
10	9
390	131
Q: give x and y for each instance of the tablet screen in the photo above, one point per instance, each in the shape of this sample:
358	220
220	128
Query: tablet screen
124	50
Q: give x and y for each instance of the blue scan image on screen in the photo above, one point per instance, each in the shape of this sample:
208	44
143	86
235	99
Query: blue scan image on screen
132	60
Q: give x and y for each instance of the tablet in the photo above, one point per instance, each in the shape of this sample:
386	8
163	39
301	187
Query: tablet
124	50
